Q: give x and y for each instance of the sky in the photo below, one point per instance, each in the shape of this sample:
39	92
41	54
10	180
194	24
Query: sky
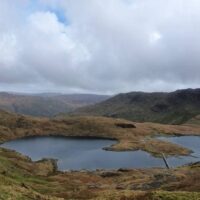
99	46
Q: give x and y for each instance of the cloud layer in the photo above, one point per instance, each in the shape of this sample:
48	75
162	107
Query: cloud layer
104	46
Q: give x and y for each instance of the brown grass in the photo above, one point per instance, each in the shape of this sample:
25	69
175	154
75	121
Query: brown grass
14	126
20	177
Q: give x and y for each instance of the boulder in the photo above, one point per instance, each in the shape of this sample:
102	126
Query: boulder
125	125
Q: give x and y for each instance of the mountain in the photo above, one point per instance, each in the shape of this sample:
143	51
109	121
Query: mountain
170	108
48	104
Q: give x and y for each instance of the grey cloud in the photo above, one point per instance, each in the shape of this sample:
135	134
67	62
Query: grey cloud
107	46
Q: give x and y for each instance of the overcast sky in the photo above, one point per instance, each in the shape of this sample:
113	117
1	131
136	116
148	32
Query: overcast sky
99	46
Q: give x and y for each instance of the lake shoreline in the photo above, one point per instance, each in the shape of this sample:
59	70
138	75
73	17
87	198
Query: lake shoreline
41	179
91	153
129	139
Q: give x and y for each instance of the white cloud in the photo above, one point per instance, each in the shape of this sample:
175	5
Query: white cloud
154	37
104	46
8	49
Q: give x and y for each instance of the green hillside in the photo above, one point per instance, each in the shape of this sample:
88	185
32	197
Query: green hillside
170	108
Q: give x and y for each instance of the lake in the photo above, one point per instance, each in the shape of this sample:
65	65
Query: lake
190	142
84	153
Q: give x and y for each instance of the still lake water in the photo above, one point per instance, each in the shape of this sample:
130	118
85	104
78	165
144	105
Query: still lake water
82	153
190	142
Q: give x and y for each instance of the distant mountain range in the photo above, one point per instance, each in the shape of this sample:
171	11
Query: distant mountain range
46	104
173	108
181	106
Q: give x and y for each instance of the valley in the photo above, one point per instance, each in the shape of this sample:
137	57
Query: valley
23	178
46	104
99	100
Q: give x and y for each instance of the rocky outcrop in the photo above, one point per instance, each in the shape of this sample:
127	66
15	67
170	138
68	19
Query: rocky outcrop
125	125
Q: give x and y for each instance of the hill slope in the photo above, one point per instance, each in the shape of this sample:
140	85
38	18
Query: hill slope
130	136
46	104
194	121
173	108
23	179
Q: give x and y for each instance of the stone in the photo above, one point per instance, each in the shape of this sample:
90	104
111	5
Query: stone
109	174
125	125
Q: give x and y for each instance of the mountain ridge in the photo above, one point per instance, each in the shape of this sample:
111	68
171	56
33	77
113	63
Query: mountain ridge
162	107
46	105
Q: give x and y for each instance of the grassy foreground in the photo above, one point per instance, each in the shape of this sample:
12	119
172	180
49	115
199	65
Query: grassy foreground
22	179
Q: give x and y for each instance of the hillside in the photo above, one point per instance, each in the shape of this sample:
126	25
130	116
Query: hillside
46	104
23	179
194	121
130	136
170	108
